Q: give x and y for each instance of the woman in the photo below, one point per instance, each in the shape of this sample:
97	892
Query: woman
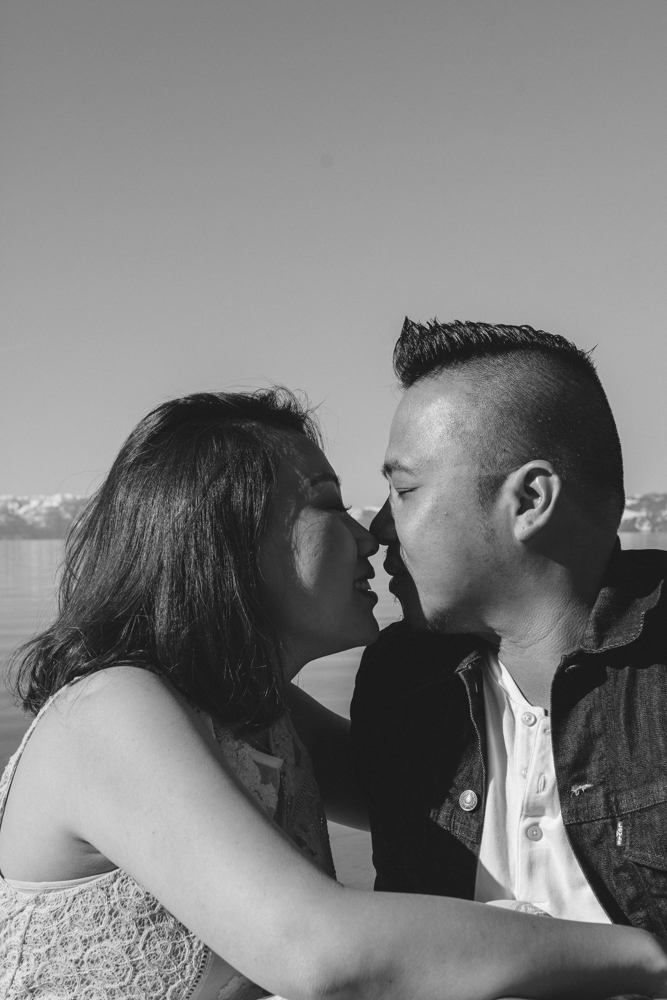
161	833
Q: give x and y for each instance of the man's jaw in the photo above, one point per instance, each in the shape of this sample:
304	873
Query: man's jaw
403	587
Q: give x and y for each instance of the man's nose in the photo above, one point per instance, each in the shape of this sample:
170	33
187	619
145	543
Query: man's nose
382	525
367	544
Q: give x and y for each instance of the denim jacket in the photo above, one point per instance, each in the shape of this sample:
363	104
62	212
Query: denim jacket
419	738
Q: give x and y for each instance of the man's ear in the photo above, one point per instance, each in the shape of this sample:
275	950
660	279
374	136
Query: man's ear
535	489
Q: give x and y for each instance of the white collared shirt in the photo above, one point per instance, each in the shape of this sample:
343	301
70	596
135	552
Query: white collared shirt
525	853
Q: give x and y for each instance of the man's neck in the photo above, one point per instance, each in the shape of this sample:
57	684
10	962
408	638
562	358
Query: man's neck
545	606
547	623
532	655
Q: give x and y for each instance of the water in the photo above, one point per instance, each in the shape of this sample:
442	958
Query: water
644	540
27	603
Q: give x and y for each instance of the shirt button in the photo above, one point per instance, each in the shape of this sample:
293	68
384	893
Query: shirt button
467	800
528	719
524	772
534	833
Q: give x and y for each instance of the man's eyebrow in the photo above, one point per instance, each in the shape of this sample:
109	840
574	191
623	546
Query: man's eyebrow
325	477
395	466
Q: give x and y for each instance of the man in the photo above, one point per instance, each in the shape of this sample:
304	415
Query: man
511	732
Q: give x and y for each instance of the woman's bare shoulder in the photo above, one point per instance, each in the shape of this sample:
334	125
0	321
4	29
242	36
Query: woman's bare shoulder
118	681
114	722
120	696
91	735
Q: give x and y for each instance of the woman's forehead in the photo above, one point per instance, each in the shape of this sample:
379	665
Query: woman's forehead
304	465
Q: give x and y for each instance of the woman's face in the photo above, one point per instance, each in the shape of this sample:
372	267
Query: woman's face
314	559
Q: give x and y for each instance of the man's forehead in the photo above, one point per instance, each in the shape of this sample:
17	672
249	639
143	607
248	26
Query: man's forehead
430	414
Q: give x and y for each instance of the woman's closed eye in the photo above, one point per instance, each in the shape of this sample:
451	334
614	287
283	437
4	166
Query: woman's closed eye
333	502
335	507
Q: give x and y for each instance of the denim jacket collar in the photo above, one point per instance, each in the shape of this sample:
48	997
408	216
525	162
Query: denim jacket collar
628	592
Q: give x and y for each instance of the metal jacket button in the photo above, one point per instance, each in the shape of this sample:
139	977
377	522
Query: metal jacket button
528	719
534	833
468	800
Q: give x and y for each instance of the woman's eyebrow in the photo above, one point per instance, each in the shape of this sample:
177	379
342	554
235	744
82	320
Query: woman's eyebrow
325	477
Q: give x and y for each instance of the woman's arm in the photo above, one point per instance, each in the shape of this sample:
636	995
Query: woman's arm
327	738
149	790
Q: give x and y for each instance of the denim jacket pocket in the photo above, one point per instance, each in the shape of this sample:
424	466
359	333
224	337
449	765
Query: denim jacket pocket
643	833
649	859
644	839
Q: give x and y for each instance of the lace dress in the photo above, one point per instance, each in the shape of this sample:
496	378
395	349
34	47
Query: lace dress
108	938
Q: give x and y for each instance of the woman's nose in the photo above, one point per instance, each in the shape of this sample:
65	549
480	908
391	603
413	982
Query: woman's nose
382	525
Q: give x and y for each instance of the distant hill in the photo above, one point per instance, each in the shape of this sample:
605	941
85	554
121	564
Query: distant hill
38	517
50	517
645	512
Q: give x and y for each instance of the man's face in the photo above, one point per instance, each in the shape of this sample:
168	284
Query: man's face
433	523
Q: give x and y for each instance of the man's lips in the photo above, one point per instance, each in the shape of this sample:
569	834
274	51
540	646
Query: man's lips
399	582
394	567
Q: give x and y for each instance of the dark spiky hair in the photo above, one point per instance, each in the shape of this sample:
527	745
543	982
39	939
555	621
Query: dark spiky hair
424	349
530	394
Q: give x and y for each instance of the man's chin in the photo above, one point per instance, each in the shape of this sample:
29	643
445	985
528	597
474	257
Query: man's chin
403	588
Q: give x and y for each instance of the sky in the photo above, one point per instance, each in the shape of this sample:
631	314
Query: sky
223	194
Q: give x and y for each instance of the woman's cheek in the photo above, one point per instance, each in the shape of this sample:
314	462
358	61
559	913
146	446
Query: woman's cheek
309	550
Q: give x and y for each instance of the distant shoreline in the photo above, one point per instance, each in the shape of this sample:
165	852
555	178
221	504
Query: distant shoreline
50	517
40	536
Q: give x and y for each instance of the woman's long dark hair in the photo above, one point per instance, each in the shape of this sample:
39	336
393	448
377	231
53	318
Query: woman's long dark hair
161	568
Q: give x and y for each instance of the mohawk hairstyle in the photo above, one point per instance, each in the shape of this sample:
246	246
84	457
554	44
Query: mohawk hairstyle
530	394
425	349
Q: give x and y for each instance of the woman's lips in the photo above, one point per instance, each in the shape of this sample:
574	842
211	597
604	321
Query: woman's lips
363	587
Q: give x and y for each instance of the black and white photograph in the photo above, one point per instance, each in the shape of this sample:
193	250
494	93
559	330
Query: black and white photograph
333	500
